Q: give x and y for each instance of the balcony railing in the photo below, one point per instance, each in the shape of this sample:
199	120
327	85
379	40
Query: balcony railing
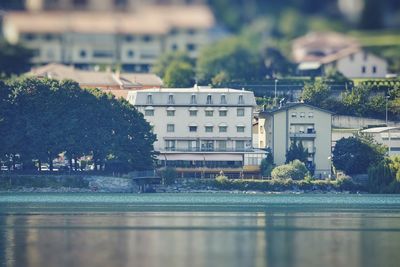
208	149
308	134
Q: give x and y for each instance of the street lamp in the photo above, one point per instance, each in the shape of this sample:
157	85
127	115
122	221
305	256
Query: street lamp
276	83
387	100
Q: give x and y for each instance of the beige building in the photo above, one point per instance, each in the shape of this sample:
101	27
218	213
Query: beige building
201	128
317	52
301	122
133	39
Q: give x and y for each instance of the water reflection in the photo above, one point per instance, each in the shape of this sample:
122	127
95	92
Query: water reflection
200	239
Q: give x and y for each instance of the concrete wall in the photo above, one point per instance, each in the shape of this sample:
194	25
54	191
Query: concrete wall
341	121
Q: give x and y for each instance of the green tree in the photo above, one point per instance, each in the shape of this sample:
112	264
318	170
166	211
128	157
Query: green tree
354	155
296	151
316	93
164	61
354	101
295	170
276	63
233	57
179	75
14	59
267	165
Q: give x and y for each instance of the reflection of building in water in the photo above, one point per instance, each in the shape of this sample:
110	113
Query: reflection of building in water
88	33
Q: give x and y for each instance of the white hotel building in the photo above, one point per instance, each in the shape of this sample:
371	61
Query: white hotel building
201	128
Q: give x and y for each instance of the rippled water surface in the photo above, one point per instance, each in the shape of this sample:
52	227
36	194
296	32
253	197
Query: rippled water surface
199	230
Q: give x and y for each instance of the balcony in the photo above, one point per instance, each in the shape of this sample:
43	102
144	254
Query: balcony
309	134
208	149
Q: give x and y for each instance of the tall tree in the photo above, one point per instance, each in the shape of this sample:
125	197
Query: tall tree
14	59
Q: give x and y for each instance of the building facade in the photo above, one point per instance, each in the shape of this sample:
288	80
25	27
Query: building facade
300	123
201	127
134	40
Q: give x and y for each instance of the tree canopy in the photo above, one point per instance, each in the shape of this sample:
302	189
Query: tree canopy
42	118
14	59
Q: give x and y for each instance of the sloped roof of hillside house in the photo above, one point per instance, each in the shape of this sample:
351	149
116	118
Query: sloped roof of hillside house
323	47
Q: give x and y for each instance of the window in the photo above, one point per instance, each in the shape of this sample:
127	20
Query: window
129	38
363	69
82	53
223	113
170	128
240	129
29	36
302	115
149	112
310	114
79	3
170	113
131	53
171	99
191	47
223	129
103	54
193	100
147	38
209	129
149	100
294	115
209	113
240	145
174	47
209	100
374	69
240	112
223	99
120	4
241	100
193	113
221	145
352	57
49	37
191	31
365	56
192	129
170	145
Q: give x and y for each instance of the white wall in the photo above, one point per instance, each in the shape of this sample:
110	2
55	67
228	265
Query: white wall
351	66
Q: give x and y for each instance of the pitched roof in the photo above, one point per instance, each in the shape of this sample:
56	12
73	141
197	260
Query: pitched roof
148	20
292	105
93	78
323	47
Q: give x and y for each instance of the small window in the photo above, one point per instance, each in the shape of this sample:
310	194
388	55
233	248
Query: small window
209	100
310	114
29	36
192	129
147	38
82	53
374	69
171	100
170	128
80	3
241	100
170	113
223	113
223	129
240	145
191	47
49	37
193	113
129	38
193	100
209	113
294	115
120	4
209	129
240	129
240	112
149	112
131	53
363	69
174	47
302	115
149	100
223	99
191	31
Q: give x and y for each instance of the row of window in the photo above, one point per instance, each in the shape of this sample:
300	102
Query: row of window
193	99
193	113
302	114
208	129
206	145
364	69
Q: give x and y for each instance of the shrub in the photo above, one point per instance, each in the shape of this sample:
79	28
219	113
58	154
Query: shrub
295	170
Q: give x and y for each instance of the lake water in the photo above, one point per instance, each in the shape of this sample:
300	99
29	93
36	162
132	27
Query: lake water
190	230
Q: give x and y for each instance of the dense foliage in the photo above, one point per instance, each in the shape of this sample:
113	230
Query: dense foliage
42	118
354	155
384	177
295	170
14	59
296	151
